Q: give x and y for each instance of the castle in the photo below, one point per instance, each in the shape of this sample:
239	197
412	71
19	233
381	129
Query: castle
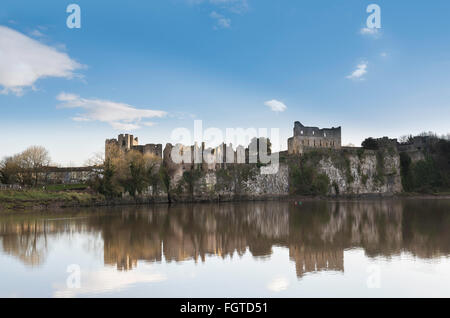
312	137
304	138
126	142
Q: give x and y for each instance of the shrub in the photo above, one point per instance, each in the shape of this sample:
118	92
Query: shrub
370	144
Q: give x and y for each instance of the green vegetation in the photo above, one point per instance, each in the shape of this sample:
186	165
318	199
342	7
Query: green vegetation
304	177
336	187
364	178
370	144
66	187
130	173
41	195
23	199
23	168
431	175
190	178
224	179
380	172
235	177
360	153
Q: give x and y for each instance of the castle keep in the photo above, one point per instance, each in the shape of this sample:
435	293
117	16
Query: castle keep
312	137
126	142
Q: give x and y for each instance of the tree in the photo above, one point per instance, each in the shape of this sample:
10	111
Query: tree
9	170
406	139
133	178
33	159
370	144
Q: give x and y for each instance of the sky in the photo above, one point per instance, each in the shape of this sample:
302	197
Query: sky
149	67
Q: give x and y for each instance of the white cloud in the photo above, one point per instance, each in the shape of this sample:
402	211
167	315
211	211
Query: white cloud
120	116
235	6
276	105
360	71
383	54
36	33
221	21
370	32
24	60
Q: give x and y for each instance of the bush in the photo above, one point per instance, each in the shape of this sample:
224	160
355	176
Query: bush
430	175
306	180
370	144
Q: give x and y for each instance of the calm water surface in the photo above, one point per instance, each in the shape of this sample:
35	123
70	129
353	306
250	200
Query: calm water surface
385	248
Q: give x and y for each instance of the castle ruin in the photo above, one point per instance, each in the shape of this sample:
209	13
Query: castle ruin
126	142
312	137
304	138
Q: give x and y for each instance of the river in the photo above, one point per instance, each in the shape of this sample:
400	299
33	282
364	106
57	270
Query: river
368	248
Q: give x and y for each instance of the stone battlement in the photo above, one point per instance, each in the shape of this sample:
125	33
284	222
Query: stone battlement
126	142
313	137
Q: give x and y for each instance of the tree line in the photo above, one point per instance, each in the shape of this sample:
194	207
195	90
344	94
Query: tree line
23	168
128	172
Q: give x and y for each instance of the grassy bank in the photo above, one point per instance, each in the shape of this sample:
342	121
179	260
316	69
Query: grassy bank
40	198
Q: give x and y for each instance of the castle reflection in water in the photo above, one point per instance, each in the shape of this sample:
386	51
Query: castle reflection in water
316	233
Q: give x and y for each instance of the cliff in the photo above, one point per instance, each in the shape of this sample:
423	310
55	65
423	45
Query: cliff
327	172
349	171
234	182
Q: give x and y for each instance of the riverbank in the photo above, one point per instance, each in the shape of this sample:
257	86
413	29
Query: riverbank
38	200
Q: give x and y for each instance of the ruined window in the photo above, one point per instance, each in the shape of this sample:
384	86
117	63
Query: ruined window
301	132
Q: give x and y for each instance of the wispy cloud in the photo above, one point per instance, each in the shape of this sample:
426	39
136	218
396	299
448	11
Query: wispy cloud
36	33
359	72
235	6
120	116
24	60
276	105
221	21
374	32
230	6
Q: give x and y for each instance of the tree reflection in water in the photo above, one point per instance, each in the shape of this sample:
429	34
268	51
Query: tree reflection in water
316	233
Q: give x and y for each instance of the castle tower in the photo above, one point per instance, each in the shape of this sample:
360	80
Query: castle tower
313	137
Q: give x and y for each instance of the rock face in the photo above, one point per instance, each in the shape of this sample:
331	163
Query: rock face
347	172
368	173
233	183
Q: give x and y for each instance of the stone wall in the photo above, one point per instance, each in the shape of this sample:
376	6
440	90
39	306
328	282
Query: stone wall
126	142
306	138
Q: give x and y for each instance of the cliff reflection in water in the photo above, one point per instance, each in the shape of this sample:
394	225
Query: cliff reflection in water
316	233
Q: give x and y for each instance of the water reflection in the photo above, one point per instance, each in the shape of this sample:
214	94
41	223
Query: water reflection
316	233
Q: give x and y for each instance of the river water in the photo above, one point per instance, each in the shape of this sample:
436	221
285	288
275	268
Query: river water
379	248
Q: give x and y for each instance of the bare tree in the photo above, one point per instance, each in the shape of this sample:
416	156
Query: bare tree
33	159
96	160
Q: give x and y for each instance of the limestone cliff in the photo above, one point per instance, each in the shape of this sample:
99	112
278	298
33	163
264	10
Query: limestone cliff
350	172
231	183
367	175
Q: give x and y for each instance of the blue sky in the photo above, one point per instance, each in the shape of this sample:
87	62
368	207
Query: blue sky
165	63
